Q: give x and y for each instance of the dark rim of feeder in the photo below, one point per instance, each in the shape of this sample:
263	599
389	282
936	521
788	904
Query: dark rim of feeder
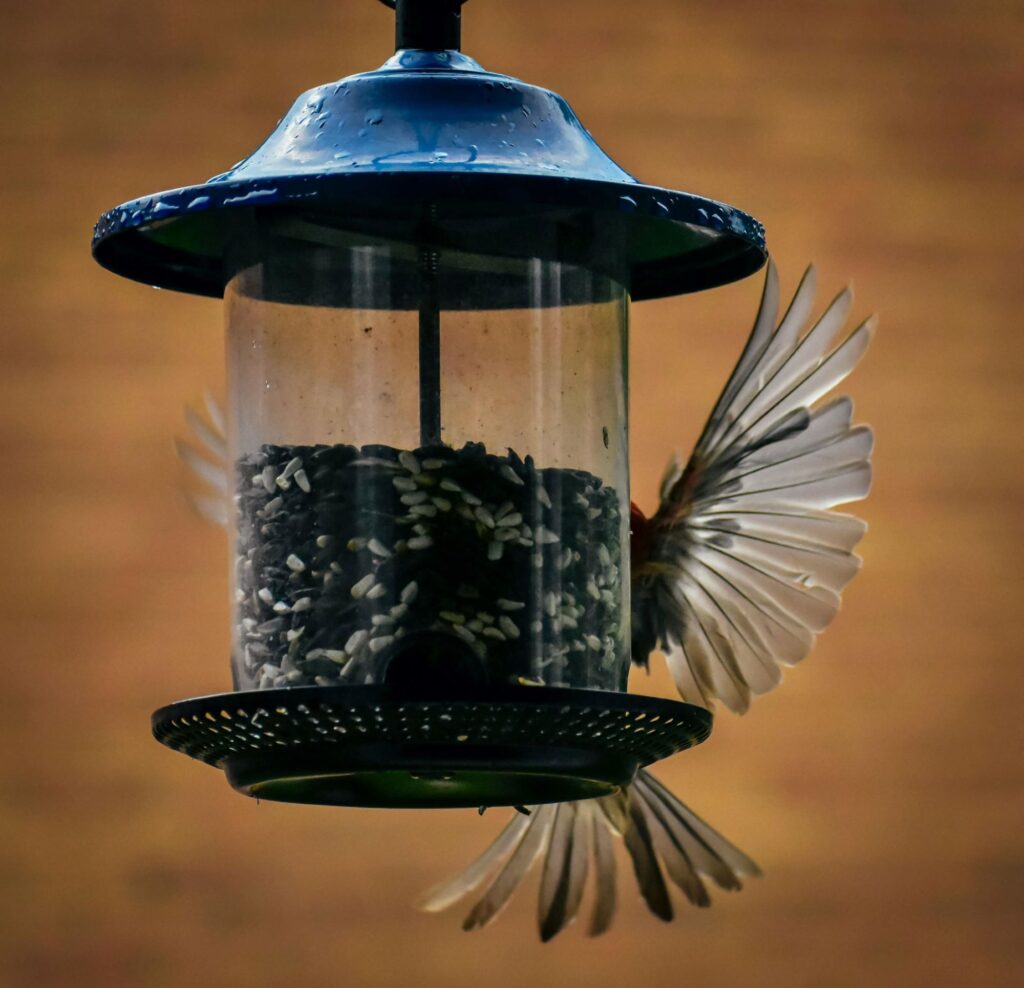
432	128
385	747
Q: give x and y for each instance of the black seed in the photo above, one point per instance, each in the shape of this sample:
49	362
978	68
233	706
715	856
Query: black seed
360	501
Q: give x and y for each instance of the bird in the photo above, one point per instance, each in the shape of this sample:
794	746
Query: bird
732	578
734	575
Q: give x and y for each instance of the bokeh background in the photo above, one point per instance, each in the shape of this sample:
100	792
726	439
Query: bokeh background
880	788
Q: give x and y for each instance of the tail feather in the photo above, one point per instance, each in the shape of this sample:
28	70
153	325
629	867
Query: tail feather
576	841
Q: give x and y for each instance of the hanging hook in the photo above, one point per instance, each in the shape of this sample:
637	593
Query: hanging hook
434	25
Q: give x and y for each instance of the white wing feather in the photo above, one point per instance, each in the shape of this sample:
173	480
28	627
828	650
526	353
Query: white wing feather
747	561
205	457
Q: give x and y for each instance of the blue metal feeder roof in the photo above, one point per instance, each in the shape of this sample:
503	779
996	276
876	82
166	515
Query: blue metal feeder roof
431	127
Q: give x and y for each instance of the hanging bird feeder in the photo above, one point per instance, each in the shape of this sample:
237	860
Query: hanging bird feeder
427	272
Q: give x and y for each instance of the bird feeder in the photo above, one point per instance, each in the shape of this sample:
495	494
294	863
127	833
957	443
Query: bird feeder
427	272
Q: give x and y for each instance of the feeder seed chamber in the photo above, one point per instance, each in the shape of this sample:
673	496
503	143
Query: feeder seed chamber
427	272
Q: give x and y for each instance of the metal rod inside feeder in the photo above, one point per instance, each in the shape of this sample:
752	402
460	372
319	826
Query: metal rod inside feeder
430	349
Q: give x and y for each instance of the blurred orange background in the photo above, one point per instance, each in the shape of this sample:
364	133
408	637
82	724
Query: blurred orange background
880	789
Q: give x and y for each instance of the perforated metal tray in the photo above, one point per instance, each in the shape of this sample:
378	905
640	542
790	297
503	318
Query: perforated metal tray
377	746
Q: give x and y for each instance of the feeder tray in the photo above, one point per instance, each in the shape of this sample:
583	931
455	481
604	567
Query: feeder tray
383	747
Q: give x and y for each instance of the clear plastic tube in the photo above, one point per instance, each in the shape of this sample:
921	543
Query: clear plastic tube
367	546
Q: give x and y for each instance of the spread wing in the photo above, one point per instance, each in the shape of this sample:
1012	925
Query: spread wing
205	456
662	836
745	567
747	561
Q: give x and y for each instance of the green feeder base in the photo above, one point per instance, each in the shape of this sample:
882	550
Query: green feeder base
379	746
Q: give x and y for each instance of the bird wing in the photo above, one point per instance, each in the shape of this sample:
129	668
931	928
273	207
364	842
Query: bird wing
747	561
661	834
205	456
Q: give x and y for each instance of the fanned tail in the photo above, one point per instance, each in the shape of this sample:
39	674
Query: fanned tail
662	836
